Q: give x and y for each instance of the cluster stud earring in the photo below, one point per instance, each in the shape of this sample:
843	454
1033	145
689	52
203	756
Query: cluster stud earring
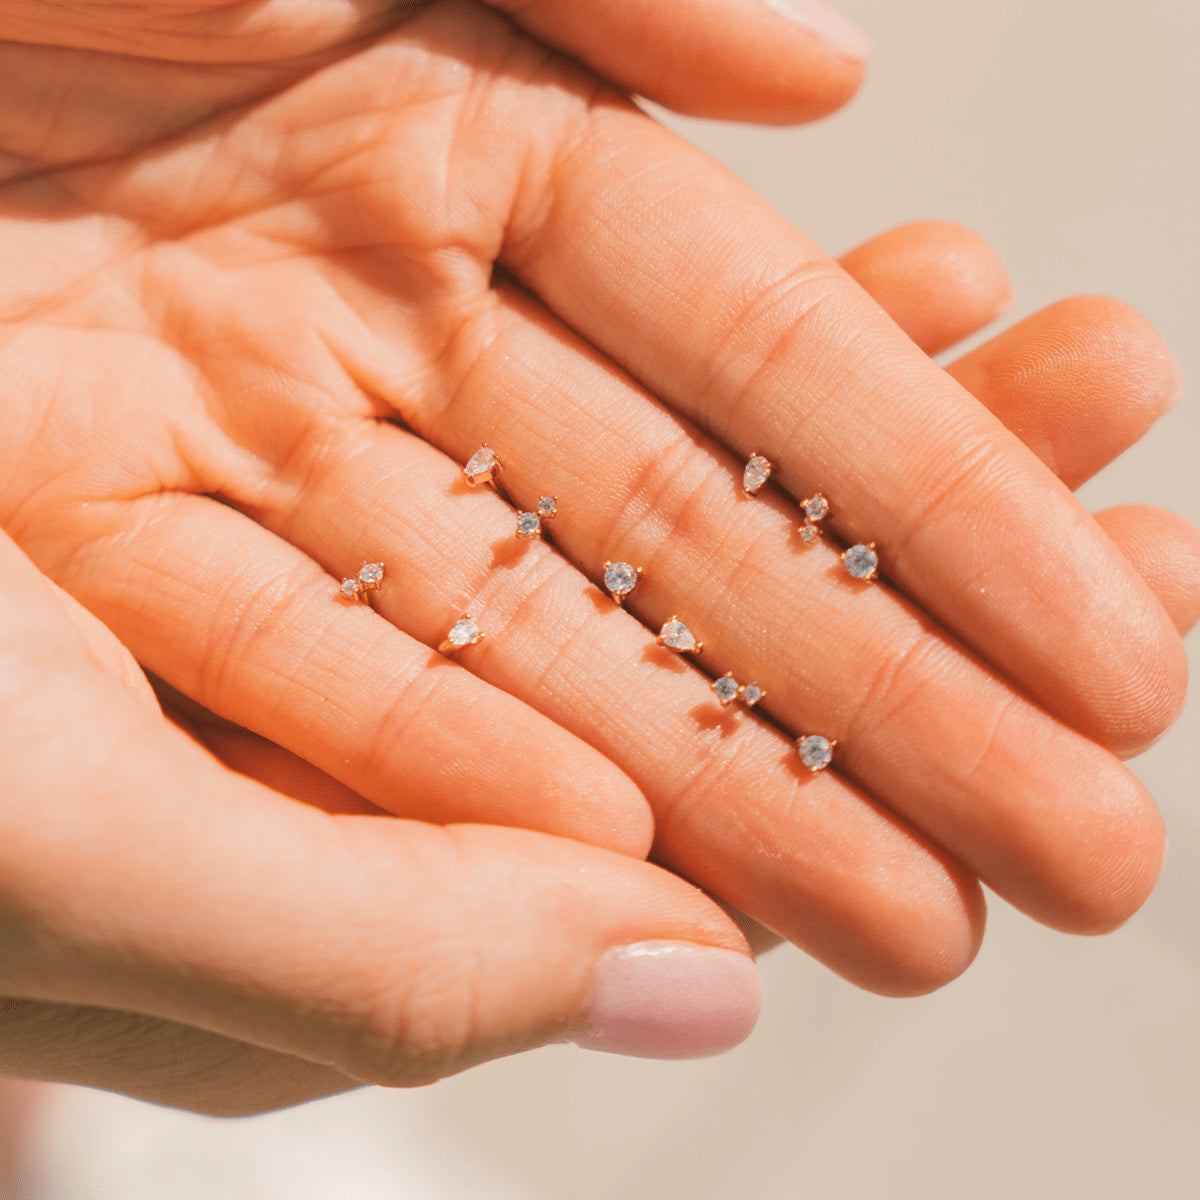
529	524
368	579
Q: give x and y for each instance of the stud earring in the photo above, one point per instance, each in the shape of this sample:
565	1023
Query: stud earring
464	632
529	524
482	467
675	635
369	579
861	561
816	752
620	578
756	473
815	509
725	689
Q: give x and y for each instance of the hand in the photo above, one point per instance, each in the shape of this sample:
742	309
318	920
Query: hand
175	931
446	225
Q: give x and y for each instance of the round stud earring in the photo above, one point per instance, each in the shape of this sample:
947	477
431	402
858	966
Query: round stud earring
725	689
861	561
620	578
816	752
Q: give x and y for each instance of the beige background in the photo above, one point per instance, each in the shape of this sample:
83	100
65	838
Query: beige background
1067	131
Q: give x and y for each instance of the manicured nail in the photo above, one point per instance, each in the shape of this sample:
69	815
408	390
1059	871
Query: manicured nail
671	1000
847	39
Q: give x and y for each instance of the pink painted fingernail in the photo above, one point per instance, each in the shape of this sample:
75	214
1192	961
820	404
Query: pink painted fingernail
847	39
671	1000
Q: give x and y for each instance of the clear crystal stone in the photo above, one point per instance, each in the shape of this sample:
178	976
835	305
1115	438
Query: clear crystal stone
482	465
861	561
757	472
675	635
349	588
620	578
464	632
371	574
816	508
726	689
528	524
809	532
751	694
547	508
816	752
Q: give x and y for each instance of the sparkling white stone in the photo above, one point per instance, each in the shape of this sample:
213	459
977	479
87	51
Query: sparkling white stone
464	632
620	578
725	689
528	525
816	508
371	575
349	588
547	508
861	561
751	694
816	752
809	532
675	635
758	471
481	466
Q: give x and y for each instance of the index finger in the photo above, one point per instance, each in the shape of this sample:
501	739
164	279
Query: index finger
683	276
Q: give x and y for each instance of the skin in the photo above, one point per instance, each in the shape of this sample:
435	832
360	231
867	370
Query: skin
252	337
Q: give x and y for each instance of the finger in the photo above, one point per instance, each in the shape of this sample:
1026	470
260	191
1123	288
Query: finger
1164	549
394	723
938	281
160	1061
393	951
774	61
755	349
1078	382
257	758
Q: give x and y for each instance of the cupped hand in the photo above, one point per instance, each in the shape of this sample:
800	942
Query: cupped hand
175	931
256	324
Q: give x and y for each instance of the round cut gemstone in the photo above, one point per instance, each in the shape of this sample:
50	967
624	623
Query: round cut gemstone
548	508
809	532
481	466
757	472
861	561
620	578
528	524
751	694
675	635
726	689
464	632
371	574
816	752
349	588
816	508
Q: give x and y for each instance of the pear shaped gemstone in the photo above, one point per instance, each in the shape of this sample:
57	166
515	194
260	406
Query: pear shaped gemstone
757	472
675	635
481	466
